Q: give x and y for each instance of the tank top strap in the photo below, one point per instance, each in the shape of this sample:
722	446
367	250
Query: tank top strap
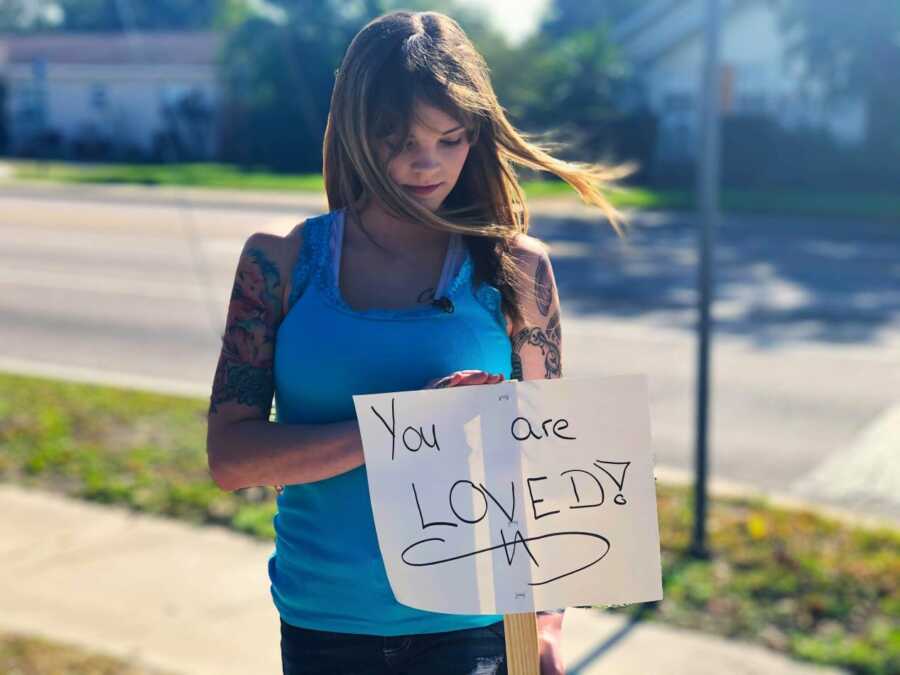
313	255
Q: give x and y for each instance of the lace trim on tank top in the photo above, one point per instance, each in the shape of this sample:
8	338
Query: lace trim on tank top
319	248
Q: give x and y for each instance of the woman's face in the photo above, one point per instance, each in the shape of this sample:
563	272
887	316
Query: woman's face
433	154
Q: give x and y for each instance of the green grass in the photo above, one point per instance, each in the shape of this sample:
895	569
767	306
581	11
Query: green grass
210	175
822	203
799	583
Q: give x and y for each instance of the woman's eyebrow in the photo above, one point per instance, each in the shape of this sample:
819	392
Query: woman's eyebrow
443	133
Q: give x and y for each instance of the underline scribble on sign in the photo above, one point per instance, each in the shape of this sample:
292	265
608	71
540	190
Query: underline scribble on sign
514	543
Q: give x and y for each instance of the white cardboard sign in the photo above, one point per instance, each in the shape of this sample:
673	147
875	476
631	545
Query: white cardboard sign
514	497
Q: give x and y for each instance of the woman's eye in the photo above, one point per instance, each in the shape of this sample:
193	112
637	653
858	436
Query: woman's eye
410	143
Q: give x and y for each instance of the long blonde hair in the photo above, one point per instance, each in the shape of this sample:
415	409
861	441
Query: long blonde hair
402	58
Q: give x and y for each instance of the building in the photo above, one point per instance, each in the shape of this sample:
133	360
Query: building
122	95
664	41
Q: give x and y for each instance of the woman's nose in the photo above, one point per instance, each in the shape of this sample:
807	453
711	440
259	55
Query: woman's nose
423	160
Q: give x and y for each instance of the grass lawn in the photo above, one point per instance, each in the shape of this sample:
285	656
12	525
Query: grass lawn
27	655
825	203
796	582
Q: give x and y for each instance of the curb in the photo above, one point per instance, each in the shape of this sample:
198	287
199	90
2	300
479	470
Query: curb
722	487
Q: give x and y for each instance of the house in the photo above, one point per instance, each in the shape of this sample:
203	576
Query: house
133	94
664	40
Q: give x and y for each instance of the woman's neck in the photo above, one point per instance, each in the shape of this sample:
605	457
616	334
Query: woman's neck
399	237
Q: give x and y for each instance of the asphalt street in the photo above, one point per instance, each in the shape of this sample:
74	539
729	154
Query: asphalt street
131	287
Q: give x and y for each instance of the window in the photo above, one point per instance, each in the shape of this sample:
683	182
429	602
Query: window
99	96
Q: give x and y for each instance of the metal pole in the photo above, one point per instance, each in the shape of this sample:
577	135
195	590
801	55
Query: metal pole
707	199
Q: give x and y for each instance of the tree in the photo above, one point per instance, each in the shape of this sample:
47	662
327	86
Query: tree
31	16
145	15
24	16
571	90
565	17
279	75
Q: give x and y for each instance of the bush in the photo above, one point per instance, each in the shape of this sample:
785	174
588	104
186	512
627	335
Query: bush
631	137
46	144
759	153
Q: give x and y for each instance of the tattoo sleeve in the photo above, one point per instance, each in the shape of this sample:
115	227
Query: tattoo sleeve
543	289
546	337
516	364
244	371
548	341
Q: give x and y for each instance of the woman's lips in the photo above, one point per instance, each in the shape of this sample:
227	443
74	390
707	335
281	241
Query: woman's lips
422	190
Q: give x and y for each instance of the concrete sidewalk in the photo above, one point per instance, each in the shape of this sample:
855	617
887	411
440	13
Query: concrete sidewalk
195	600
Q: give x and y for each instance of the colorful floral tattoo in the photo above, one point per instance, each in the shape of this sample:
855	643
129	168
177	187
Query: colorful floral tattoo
244	372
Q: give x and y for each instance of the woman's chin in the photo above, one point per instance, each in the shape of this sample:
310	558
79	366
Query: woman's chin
431	203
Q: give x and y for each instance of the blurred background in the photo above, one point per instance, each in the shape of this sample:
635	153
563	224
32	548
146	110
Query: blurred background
142	141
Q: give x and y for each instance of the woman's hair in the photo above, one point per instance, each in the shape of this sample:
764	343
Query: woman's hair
403	58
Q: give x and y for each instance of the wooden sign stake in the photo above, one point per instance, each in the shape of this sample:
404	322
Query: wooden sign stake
522	655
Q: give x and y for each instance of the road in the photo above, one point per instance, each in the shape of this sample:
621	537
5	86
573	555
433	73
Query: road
131	287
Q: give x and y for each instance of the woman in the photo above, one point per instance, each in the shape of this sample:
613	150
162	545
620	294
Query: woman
420	275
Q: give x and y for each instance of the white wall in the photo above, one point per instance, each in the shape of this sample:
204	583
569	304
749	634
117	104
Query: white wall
754	60
132	94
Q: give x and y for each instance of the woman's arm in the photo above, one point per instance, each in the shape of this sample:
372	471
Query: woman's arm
537	338
537	354
243	448
259	452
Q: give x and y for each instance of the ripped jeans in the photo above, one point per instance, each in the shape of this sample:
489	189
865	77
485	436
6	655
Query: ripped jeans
471	651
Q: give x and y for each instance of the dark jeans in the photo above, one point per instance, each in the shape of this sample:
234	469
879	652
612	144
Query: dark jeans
473	651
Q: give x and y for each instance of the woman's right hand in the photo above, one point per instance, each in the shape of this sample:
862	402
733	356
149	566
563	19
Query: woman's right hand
462	378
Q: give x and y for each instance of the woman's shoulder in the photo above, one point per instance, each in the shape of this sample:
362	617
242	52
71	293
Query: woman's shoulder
528	244
279	251
529	252
291	242
540	301
277	247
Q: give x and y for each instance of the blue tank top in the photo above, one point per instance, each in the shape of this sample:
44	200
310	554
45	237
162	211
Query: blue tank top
326	572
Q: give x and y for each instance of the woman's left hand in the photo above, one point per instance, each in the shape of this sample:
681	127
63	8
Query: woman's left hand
550	645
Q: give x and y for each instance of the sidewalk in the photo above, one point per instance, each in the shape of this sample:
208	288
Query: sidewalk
195	600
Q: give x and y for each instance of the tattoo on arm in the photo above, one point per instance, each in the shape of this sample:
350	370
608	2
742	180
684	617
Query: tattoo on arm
549	343
553	329
543	291
244	372
516	365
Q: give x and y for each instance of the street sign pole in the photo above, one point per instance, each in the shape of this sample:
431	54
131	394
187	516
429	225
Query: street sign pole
707	199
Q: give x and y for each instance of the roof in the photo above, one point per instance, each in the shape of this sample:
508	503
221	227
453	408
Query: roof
646	15
149	48
674	22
